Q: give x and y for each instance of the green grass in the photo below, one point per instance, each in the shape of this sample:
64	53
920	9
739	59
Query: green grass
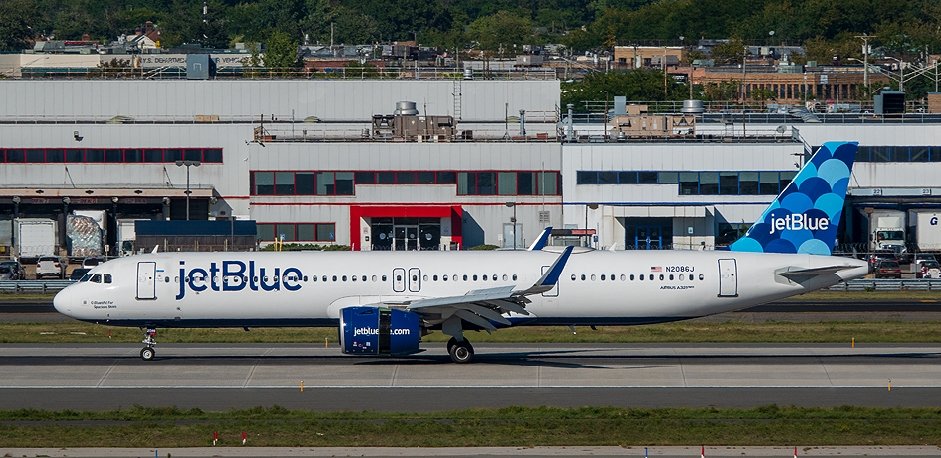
513	426
693	331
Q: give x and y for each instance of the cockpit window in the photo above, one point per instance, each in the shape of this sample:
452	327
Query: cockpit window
85	277
107	278
96	278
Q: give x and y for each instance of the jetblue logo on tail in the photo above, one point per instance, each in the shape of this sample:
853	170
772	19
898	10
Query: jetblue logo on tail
798	222
805	216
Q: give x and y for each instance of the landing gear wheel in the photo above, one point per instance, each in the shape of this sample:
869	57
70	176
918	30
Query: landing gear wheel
461	352
147	354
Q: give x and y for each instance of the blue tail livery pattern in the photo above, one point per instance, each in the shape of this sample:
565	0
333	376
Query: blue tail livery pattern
805	216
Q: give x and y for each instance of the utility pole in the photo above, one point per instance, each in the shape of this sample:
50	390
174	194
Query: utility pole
865	39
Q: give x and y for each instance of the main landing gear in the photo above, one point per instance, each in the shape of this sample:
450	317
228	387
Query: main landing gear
461	352
147	353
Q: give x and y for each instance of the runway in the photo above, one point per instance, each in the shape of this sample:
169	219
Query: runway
96	377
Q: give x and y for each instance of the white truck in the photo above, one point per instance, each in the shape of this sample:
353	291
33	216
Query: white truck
887	230
125	237
927	229
35	237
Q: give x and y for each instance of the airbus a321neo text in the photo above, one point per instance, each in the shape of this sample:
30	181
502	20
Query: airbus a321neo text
384	302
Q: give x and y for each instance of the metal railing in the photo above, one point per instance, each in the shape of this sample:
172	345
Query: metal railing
889	284
33	286
339	73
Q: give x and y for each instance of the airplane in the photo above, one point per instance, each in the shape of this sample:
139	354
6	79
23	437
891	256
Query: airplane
383	303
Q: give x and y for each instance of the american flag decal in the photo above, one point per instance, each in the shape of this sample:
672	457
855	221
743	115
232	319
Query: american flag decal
656	269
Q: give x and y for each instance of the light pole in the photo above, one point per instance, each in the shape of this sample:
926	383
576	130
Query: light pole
901	72
188	164
513	220
593	207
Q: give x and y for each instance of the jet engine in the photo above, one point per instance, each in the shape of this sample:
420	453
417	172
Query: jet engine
367	330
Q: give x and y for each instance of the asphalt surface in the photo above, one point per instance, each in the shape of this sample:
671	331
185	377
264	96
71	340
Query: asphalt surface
214	377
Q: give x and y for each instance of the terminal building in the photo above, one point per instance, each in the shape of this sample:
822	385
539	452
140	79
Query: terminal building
426	164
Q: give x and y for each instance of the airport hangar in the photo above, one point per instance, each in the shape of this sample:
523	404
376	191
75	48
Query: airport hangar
343	162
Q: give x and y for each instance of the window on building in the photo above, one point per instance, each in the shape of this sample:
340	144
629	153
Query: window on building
506	183
728	183
264	183
344	183
647	177
304	183
284	183
689	183
768	183
709	183
748	183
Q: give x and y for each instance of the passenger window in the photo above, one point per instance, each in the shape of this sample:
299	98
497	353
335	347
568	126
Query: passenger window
583	277
602	277
465	277
323	278
364	278
334	278
454	277
641	276
702	277
167	278
374	278
305	278
611	277
434	277
475	277
514	277
623	277
354	277
592	277
176	279
573	277
444	277
484	277
425	277
344	278
631	277
671	276
384	278
661	277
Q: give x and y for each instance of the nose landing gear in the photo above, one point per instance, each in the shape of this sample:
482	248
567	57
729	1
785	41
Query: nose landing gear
147	353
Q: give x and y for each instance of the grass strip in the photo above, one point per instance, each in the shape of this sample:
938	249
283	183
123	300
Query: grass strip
513	426
692	331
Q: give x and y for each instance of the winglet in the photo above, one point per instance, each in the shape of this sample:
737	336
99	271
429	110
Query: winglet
551	277
542	240
156	247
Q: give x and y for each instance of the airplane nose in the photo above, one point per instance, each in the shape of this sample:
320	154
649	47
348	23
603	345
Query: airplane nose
61	303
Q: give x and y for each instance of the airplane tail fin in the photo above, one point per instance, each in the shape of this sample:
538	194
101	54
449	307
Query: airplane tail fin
805	216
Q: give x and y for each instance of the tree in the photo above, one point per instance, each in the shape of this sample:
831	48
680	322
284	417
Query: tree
14	26
281	53
729	52
501	31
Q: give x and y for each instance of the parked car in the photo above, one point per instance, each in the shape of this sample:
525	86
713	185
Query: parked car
927	268
77	274
88	263
11	270
48	266
875	258
888	269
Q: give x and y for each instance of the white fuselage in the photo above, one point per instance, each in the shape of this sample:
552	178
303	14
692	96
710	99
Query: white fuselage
310	288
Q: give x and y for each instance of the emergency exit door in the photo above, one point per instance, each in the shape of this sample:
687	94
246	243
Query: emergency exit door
146	281
728	278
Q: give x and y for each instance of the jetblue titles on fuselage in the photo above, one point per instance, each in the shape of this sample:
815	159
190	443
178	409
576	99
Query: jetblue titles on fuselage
236	276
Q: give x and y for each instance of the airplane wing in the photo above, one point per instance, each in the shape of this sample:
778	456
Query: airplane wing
483	307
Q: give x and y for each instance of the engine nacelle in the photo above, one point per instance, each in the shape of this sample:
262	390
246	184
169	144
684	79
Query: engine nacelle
379	331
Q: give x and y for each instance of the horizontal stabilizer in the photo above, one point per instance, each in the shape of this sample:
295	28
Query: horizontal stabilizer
805	273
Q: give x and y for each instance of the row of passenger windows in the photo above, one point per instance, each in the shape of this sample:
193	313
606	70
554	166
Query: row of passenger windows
108	155
697	183
432	277
313	183
632	277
